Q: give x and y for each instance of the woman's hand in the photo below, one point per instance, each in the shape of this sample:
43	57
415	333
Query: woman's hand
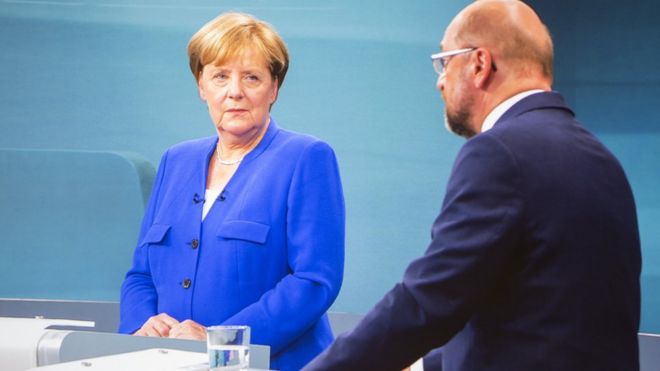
188	329
159	325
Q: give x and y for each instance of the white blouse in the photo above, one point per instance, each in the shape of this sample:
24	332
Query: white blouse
209	199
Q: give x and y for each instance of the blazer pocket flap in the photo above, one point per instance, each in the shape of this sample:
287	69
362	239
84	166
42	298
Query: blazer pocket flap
156	233
244	230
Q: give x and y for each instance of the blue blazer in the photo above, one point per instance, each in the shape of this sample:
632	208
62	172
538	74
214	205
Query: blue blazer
269	254
534	261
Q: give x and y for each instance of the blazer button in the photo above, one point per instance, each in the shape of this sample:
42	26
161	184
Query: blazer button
194	243
186	283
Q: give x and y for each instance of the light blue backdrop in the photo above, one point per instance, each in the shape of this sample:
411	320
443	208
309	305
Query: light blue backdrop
113	75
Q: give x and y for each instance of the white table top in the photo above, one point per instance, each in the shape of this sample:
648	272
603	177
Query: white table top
144	360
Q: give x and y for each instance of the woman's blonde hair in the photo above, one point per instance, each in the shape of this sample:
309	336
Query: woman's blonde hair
229	35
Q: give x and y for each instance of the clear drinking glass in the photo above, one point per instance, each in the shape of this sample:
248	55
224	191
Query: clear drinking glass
228	347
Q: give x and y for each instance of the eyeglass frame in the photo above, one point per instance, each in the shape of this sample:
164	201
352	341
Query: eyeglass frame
440	60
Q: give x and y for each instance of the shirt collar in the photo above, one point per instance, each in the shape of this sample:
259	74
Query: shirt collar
499	110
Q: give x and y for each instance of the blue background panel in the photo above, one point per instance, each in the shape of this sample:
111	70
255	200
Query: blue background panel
113	76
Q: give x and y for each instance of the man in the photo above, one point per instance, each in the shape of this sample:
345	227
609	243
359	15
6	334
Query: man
534	262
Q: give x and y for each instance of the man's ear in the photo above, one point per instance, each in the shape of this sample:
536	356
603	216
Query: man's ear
483	67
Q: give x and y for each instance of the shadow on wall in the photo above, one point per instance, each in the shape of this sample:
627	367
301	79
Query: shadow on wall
70	220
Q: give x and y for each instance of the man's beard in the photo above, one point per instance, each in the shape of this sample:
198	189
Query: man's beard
459	123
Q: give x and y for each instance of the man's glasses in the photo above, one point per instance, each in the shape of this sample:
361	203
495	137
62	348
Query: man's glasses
440	60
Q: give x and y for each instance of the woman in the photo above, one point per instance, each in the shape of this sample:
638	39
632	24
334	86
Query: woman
246	227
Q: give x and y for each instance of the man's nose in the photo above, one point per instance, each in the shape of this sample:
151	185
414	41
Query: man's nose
440	83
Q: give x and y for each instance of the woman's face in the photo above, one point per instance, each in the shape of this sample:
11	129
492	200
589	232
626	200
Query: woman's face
238	94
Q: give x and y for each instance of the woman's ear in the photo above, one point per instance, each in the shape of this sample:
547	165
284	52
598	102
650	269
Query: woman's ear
200	88
274	91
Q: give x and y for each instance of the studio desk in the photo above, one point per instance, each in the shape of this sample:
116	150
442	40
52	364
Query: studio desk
40	334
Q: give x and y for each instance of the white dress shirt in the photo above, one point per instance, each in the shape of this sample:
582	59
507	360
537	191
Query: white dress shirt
499	110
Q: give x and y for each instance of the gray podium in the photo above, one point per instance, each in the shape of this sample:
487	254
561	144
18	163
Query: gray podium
57	343
58	346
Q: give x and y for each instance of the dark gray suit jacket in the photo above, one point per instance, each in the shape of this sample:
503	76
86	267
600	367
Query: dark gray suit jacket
534	262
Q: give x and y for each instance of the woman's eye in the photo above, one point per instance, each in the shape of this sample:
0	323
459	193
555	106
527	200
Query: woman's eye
252	78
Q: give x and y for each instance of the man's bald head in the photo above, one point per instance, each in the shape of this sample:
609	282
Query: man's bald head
510	29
